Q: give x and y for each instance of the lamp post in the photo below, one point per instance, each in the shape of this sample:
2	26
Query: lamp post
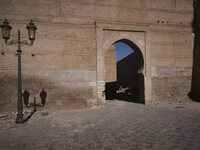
6	30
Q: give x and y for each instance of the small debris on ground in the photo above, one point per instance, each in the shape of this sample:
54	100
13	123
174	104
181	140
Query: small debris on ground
28	112
179	107
44	113
3	116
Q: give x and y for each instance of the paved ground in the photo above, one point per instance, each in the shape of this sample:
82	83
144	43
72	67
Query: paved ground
118	126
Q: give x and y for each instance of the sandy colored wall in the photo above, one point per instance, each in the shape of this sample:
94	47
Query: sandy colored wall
110	63
66	39
65	88
171	84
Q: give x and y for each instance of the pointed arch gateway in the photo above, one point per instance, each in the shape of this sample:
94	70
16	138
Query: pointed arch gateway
135	37
124	80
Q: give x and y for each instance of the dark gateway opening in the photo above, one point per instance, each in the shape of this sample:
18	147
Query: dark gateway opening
129	84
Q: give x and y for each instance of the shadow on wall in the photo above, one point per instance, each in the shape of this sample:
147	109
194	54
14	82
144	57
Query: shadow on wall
58	97
130	79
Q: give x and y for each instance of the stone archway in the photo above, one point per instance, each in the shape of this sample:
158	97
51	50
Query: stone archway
124	80
107	34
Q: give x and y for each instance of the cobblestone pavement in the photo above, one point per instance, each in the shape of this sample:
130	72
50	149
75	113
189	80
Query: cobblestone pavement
117	126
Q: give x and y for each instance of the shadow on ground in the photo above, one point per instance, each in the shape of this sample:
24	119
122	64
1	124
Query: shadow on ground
124	94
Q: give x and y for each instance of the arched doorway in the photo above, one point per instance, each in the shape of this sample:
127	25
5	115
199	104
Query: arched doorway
124	79
108	34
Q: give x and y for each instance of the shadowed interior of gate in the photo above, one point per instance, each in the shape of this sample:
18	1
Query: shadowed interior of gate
124	79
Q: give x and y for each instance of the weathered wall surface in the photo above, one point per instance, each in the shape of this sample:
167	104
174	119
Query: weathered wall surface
65	88
62	59
171	84
171	51
65	46
110	63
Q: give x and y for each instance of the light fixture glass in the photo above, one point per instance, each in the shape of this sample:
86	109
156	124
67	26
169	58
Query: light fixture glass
6	30
31	30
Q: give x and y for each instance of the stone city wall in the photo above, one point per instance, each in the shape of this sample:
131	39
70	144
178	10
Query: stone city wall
171	84
63	58
110	63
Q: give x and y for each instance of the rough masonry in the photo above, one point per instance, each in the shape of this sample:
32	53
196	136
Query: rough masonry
69	54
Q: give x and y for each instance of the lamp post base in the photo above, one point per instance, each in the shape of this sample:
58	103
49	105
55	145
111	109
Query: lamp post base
19	118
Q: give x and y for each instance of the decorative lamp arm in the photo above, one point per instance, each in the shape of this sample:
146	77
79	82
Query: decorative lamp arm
11	42
24	42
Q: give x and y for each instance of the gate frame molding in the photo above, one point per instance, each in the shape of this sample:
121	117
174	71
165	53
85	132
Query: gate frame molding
117	32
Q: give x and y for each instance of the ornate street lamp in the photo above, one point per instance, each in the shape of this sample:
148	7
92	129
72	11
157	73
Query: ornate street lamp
31	31
6	30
